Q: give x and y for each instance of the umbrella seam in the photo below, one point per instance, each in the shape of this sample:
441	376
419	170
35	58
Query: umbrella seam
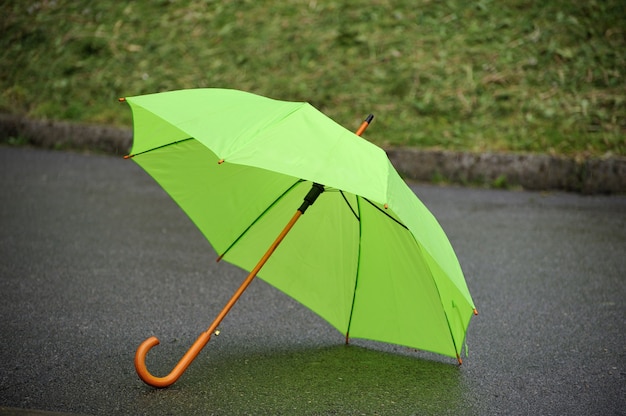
280	115
445	313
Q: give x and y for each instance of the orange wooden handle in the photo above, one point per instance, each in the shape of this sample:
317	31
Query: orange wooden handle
179	369
203	339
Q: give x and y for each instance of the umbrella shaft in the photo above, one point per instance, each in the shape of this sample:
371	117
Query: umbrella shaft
253	273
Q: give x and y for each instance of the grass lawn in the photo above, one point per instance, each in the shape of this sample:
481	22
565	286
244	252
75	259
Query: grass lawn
510	75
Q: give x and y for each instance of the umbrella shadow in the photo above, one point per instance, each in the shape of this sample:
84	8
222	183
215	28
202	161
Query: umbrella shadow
335	379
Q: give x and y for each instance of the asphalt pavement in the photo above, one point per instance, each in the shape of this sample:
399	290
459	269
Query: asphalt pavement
94	258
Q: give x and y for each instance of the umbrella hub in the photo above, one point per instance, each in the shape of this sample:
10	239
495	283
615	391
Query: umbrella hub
309	199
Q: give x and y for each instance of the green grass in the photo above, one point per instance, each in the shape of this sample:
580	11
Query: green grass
511	75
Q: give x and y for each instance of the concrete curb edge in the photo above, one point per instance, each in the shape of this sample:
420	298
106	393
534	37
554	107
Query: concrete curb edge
530	171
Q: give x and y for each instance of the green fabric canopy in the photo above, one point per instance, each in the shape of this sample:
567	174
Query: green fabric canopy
368	256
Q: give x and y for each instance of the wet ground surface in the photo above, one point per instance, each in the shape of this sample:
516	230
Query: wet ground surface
94	258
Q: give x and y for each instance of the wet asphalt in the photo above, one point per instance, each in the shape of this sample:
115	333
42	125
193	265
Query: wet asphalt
94	258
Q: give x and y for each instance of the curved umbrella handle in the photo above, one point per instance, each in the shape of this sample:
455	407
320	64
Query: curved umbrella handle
179	369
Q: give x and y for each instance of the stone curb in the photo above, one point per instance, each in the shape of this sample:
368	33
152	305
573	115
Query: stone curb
64	135
530	171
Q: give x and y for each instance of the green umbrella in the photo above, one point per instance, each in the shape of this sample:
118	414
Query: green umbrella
368	256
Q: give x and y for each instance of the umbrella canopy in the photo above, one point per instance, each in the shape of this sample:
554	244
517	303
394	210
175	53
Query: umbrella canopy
368	256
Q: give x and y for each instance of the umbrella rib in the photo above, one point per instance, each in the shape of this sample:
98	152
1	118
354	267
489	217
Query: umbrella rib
349	205
259	217
158	147
384	213
358	269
